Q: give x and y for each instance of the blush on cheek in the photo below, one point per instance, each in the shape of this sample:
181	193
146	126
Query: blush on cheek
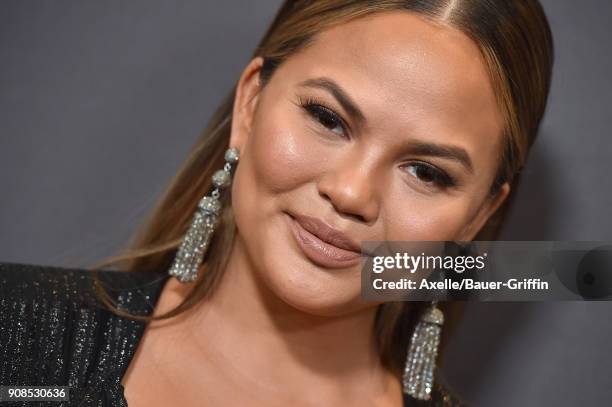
283	158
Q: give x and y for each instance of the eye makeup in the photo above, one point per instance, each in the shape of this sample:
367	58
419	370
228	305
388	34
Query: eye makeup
428	174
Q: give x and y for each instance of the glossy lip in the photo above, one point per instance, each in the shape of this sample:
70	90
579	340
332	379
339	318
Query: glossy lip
323	244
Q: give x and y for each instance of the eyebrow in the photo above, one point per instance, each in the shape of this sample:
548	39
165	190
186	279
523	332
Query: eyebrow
442	150
337	92
455	153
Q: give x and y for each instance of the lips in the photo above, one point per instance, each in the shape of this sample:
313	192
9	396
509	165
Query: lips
322	244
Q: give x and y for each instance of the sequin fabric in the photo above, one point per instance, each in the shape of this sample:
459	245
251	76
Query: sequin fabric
55	331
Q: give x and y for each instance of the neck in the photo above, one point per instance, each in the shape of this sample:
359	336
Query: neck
257	338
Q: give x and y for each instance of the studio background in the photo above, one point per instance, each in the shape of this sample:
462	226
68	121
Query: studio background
100	102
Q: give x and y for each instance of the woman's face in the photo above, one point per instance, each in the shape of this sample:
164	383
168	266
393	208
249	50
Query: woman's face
384	128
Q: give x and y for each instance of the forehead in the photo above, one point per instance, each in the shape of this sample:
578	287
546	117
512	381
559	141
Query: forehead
404	70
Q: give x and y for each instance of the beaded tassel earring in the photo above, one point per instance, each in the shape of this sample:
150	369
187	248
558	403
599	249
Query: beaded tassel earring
422	352
197	238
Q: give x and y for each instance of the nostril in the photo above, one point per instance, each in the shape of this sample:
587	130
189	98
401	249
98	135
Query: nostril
340	211
345	207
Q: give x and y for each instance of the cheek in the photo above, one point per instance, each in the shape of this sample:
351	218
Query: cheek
277	160
280	160
418	219
281	155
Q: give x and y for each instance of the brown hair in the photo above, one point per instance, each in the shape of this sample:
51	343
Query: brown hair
516	44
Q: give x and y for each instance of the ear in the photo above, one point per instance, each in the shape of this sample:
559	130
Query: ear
488	208
245	102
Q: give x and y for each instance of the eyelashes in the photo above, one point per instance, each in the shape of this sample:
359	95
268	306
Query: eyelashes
326	117
430	174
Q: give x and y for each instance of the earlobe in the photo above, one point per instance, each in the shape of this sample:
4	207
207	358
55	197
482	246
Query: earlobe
245	101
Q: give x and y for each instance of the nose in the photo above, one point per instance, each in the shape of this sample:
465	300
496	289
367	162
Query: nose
350	186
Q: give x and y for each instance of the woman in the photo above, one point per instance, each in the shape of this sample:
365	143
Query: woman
354	120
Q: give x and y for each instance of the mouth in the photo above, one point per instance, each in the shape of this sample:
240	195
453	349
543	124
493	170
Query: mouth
323	245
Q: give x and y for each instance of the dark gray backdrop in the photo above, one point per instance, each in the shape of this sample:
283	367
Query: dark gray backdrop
101	101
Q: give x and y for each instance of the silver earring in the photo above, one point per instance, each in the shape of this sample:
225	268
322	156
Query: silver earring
197	238
421	359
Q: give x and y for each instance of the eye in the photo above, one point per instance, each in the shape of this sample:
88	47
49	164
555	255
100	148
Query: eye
324	116
430	175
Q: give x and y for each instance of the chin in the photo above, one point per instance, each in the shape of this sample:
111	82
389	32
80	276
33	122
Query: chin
303	285
314	294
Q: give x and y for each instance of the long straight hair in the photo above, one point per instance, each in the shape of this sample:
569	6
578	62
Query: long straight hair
516	44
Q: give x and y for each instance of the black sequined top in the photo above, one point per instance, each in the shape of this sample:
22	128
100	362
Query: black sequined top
54	331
